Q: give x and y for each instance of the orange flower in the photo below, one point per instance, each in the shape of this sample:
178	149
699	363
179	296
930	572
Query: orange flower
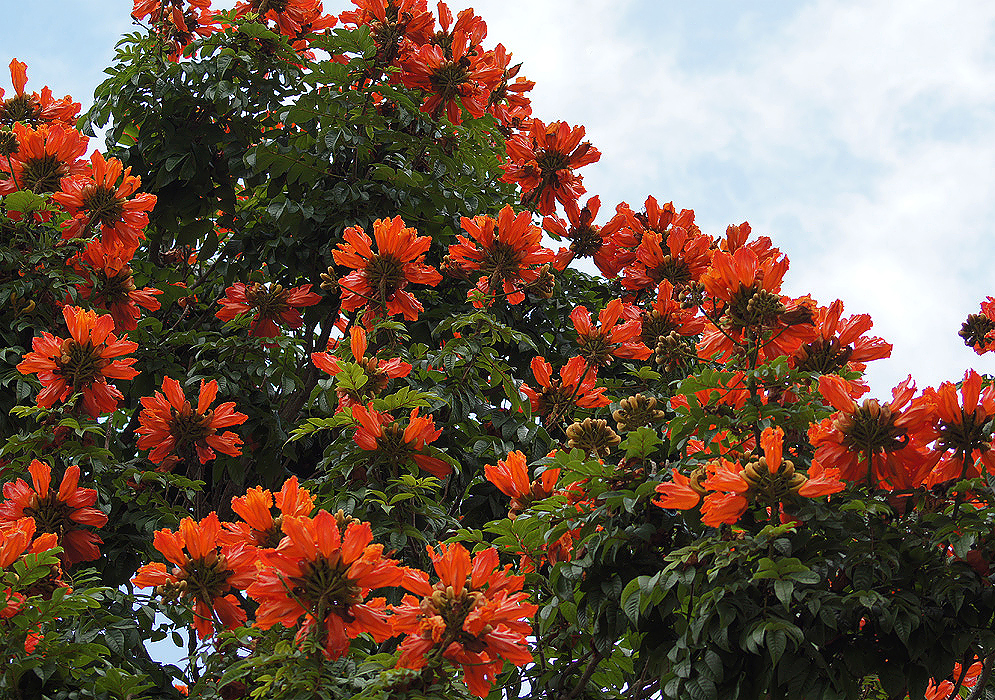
507	257
881	444
671	247
607	246
473	614
556	398
392	24
379	279
324	571
959	429
750	314
378	372
455	72
507	101
271	303
393	445
680	492
541	160
729	488
96	197
34	109
511	476
15	539
173	430
840	344
175	26
45	155
81	363
206	574
978	331
63	512
598	346
260	529
111	285
293	18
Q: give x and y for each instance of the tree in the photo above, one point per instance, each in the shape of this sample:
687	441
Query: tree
290	373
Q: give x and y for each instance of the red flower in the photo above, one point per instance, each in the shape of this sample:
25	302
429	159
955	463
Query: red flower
293	18
507	252
34	109
324	571
271	303
260	529
962	444
378	373
379	279
45	155
598	346
541	161
555	399
392	24
206	574
511	476
96	197
111	285
393	444
680	492
176	26
606	245
840	344
507	101
455	76
978	331
879	444
63	512
81	363
173	430
473	614
749	313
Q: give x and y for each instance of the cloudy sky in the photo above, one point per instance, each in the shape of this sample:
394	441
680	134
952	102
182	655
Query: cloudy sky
860	136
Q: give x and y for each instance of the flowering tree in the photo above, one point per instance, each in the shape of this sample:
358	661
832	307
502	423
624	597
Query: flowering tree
324	408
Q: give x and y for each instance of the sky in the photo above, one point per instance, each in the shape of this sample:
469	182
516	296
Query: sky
859	136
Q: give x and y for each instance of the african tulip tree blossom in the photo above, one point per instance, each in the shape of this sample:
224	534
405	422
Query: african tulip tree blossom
33	109
65	512
293	18
45	155
105	195
260	529
978	331
172	429
474	615
507	253
393	444
608	245
874	443
542	160
378	373
959	429
324	572
612	339
111	285
748	313
81	363
725	489
511	476
379	279
206	573
463	79
507	101
271	303
555	399
840	344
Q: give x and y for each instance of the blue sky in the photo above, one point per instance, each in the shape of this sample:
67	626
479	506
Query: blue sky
860	136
